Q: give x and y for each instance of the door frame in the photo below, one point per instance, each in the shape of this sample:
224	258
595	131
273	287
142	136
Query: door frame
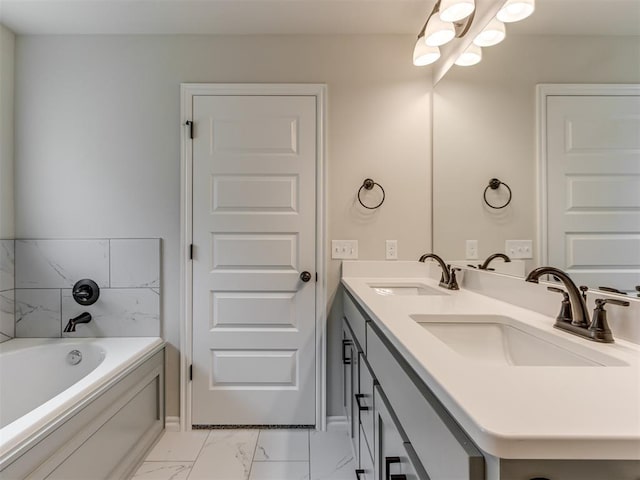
187	92
543	91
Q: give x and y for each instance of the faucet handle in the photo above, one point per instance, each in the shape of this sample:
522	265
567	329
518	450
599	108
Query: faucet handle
600	302
566	314
599	329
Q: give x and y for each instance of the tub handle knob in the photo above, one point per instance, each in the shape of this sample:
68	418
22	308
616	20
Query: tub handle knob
86	292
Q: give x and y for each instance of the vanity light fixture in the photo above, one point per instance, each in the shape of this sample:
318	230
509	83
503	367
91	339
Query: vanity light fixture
424	54
516	10
492	34
456	10
438	32
451	19
471	56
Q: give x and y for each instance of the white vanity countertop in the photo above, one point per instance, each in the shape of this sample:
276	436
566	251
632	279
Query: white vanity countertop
510	411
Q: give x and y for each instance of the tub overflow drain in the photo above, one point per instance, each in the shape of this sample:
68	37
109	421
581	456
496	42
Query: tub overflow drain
74	357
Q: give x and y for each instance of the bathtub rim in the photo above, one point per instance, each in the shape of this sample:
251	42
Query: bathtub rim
55	412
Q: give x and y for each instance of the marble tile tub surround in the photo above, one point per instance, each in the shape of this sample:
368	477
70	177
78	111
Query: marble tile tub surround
7	290
126	270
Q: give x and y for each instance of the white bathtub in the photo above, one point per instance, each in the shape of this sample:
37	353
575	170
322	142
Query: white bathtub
39	386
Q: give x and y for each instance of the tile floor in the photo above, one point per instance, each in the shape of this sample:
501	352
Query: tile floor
250	455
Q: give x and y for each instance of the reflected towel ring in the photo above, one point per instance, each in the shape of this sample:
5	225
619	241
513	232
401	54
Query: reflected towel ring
368	184
494	184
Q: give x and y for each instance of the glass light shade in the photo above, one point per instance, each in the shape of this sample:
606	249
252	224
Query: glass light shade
471	56
516	10
492	34
424	54
438	32
454	10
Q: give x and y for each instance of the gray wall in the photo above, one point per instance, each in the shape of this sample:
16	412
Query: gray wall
7	293
7	51
484	126
98	149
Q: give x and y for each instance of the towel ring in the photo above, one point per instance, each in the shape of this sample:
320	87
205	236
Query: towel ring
494	184
368	184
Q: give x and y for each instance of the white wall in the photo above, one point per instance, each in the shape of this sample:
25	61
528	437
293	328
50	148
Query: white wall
98	151
484	127
7	48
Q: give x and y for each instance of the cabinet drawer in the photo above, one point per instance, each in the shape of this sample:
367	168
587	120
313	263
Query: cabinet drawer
442	446
394	457
356	320
365	404
366	471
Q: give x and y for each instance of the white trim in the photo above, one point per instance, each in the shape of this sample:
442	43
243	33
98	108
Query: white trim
187	92
337	423
172	424
543	91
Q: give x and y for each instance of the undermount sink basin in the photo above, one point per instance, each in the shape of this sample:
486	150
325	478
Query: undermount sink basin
500	340
405	289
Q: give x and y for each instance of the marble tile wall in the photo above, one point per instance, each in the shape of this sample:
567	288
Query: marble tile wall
7	290
126	270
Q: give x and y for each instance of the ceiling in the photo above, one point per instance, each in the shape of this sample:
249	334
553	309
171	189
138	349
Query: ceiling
602	17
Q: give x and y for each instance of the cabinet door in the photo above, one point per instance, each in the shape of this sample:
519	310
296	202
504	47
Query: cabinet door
392	459
351	386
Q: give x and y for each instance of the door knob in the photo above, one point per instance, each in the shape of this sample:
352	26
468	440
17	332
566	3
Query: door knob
305	276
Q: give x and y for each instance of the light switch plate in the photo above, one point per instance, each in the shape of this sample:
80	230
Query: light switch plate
521	249
344	249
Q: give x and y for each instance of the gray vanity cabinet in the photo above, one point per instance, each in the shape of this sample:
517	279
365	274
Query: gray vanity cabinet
350	383
396	422
395	458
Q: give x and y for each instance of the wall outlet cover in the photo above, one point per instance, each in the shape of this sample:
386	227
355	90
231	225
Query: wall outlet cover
391	249
471	250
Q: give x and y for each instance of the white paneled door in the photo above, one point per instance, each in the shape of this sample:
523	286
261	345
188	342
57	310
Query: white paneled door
254	236
593	182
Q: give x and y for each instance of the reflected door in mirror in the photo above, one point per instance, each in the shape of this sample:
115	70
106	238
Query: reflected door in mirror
593	188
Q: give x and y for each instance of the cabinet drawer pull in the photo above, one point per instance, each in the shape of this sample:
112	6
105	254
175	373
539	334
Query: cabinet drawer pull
346	360
388	461
359	472
361	407
399	477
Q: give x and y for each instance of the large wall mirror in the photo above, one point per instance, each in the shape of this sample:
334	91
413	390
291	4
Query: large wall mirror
485	126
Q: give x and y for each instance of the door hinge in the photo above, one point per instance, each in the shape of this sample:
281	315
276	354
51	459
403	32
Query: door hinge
191	251
191	372
189	124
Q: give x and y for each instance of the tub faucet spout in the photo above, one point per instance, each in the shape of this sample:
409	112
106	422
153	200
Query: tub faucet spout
84	317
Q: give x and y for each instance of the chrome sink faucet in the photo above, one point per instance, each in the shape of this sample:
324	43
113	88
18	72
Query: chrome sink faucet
448	279
574	315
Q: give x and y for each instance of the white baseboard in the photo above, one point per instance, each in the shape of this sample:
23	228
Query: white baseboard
337	423
172	424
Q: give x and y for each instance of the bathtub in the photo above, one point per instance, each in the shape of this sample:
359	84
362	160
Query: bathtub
66	398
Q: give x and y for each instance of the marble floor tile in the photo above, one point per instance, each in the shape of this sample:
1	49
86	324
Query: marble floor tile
163	471
331	456
279	471
282	445
178	446
226	455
